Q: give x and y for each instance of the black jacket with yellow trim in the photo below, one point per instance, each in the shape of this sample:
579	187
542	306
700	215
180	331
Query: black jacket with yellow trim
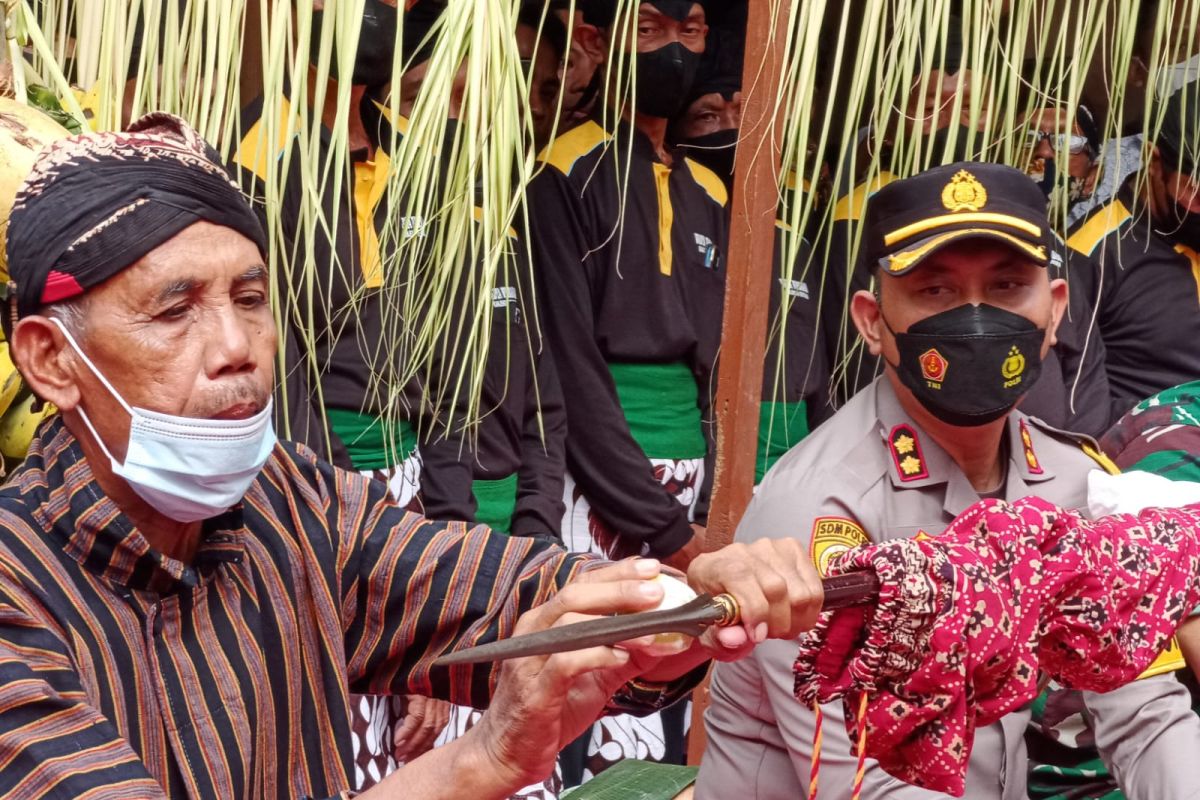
1146	293
626	276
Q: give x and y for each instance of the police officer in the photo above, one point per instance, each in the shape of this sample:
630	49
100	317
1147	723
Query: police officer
1143	243
963	316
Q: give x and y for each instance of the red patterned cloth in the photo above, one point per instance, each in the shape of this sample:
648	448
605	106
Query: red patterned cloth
965	621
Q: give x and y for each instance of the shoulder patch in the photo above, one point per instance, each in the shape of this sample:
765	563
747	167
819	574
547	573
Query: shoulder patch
833	535
1088	236
1081	440
573	145
1169	660
852	205
905	448
709	181
254	152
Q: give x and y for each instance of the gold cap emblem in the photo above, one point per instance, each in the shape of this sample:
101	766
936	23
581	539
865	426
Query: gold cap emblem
964	193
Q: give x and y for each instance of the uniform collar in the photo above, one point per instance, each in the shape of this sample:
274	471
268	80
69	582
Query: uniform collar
57	485
915	460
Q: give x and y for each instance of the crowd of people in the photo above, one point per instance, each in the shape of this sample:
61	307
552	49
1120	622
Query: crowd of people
967	331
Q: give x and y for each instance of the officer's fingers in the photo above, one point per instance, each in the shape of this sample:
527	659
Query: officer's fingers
803	594
560	671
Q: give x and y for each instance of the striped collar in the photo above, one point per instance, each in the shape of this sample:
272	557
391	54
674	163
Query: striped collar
59	490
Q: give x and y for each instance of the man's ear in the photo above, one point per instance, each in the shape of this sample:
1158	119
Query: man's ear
1058	308
45	359
592	41
1156	183
864	310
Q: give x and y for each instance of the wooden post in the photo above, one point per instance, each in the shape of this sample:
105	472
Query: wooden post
747	287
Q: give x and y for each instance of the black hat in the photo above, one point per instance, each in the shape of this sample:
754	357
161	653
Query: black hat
909	220
1177	138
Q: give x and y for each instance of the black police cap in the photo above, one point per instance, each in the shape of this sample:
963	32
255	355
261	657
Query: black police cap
909	220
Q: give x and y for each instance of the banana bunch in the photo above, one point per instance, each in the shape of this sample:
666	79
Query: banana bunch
24	131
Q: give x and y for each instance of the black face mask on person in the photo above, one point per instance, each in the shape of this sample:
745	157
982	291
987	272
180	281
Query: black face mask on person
376	45
664	79
714	150
970	365
1183	225
1049	174
967	143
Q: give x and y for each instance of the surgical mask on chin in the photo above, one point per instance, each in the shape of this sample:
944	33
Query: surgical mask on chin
970	365
186	469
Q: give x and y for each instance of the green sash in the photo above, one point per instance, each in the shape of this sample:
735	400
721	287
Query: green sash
367	443
780	427
496	500
660	405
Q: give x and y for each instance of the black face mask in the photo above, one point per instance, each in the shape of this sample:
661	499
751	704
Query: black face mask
664	79
1184	225
715	151
971	364
376	45
962	150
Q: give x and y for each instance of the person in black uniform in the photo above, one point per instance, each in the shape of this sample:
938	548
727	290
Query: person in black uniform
1143	244
628	237
796	373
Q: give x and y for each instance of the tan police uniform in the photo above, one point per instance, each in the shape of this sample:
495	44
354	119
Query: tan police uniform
871	474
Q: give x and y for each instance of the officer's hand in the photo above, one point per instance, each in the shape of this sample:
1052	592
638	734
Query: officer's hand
424	718
775	585
541	703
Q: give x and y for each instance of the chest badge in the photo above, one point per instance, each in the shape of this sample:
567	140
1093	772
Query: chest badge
906	453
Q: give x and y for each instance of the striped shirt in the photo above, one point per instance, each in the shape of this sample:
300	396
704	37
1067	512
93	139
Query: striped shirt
127	674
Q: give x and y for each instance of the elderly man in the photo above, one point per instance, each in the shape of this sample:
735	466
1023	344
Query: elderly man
185	603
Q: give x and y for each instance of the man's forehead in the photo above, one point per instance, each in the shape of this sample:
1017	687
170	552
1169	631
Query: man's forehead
678	10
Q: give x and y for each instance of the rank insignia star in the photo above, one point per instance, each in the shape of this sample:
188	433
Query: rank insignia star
905	448
1031	459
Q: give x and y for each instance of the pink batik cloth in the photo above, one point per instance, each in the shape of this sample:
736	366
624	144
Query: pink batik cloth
965	621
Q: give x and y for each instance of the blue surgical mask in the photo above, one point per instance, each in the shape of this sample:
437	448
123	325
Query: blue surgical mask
187	469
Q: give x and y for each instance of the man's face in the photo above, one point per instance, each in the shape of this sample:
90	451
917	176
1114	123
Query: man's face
710	113
933	109
1050	138
544	83
656	30
1183	189
187	330
975	272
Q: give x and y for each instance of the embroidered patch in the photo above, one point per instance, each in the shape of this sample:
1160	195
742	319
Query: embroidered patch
964	192
833	535
1031	459
906	453
1013	367
934	366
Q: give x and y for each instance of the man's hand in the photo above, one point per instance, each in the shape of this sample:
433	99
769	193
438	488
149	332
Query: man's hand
683	558
775	585
424	719
543	702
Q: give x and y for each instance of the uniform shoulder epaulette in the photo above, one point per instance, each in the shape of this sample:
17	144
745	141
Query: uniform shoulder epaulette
1084	442
708	181
568	148
254	152
1098	225
851	205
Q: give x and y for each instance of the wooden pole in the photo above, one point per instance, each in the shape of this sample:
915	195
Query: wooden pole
747	287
